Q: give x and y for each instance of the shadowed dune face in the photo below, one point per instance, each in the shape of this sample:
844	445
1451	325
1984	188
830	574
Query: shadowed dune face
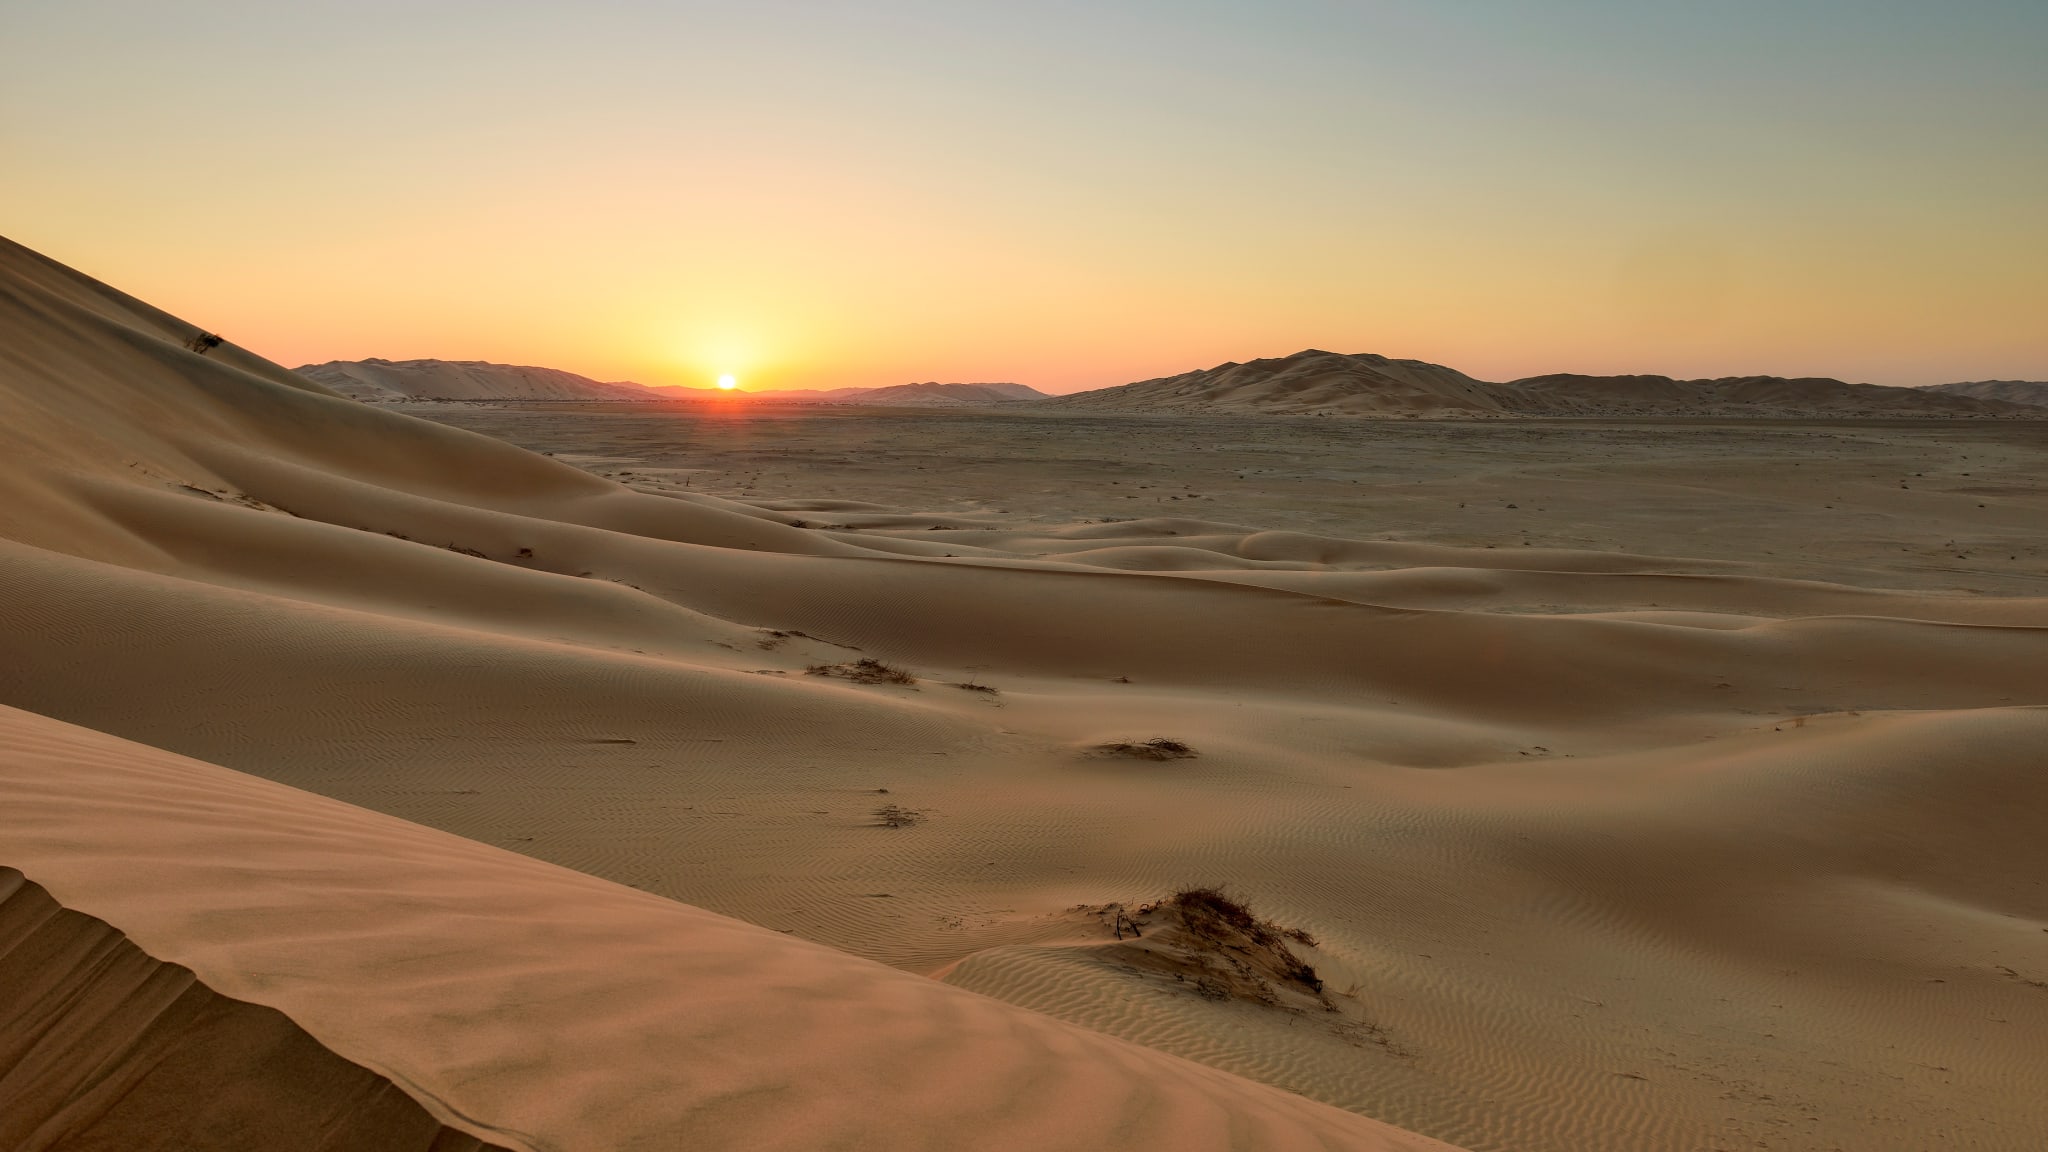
1600	850
107	1047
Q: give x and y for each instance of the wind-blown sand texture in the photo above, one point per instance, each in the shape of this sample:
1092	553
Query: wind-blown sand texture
523	1003
1601	850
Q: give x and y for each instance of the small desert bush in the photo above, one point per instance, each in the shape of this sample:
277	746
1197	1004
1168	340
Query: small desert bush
1160	749
863	671
897	816
1216	918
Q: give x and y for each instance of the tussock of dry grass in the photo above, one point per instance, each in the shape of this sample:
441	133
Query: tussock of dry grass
863	671
897	816
1159	749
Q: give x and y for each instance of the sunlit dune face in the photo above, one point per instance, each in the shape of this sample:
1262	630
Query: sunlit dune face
727	383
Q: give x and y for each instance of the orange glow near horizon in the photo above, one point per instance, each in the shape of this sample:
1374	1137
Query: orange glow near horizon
832	201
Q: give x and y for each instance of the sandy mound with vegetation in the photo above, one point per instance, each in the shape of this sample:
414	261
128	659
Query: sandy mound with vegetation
1598	850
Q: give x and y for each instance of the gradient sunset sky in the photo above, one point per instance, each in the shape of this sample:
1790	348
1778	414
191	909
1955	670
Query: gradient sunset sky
1062	194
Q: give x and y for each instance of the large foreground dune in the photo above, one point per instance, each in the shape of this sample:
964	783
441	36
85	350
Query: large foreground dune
362	982
1598	850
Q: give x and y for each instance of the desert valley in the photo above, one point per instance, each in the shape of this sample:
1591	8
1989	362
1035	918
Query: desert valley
1316	752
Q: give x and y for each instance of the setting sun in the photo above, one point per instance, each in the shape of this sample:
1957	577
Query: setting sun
727	383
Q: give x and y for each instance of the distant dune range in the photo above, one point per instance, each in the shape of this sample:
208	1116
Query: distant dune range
388	380
930	394
1581	851
2011	391
1310	383
461	380
1315	382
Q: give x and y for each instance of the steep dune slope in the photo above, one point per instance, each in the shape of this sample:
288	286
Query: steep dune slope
1637	867
108	1047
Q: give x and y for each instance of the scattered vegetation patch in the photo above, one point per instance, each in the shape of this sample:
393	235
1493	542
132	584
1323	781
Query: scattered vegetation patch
971	686
1158	749
467	551
864	671
1211	944
203	343
897	816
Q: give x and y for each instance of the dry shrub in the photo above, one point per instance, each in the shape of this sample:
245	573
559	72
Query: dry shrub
863	671
1159	749
897	816
1219	920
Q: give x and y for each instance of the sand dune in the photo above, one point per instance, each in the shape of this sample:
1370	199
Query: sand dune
933	393
1322	383
461	380
525	1004
1600	850
107	1047
1565	394
1310	382
2034	392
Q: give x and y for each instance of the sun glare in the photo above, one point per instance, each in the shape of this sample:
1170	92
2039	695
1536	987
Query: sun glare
727	383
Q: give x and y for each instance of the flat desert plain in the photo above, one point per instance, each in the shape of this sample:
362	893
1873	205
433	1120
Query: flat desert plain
1591	786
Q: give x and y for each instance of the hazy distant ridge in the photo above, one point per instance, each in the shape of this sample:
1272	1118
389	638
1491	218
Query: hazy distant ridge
376	380
462	380
2011	391
1315	382
1309	382
1570	394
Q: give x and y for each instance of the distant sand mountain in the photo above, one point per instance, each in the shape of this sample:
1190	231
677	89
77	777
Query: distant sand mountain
1310	382
1569	394
927	395
935	395
1315	382
2034	392
461	380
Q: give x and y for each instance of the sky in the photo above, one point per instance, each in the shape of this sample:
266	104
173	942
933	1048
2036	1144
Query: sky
1063	194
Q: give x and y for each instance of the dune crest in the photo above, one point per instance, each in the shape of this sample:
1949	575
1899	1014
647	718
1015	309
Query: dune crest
109	1047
